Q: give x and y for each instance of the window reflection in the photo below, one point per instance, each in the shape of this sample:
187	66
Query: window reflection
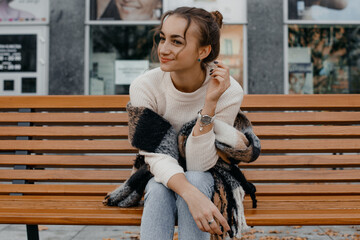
333	53
112	43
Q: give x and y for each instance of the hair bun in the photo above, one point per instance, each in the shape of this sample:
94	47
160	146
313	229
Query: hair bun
218	18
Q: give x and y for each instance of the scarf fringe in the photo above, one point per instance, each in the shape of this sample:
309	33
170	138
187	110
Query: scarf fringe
239	195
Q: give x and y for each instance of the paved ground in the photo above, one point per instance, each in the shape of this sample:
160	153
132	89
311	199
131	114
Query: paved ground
53	232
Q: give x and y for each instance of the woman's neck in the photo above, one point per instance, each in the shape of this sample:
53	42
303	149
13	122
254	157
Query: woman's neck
188	80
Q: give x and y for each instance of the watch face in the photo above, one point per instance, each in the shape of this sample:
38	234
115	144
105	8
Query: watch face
205	119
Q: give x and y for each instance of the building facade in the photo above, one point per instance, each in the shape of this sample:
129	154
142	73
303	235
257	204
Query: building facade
272	46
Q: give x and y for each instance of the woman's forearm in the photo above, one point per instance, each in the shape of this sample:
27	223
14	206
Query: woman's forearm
179	184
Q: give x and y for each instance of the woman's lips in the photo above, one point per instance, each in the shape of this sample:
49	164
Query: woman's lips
165	60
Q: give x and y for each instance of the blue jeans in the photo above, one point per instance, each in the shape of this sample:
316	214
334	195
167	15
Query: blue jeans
162	207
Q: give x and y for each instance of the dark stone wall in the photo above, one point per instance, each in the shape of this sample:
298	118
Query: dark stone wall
265	47
67	42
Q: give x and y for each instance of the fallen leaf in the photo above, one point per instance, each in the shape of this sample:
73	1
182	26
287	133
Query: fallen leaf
42	228
296	227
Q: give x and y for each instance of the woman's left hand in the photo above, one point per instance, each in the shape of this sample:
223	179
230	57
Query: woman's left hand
219	82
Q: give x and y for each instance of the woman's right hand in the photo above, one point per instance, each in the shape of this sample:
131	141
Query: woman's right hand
219	82
204	211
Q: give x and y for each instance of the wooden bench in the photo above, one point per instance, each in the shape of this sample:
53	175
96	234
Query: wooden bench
60	155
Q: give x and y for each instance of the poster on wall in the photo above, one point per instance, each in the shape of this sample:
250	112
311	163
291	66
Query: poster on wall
24	11
127	10
324	10
18	52
233	11
127	70
300	78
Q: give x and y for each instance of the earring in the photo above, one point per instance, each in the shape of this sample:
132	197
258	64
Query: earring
199	60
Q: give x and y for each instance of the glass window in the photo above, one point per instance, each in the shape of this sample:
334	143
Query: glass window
120	45
232	50
9	85
28	85
324	59
119	54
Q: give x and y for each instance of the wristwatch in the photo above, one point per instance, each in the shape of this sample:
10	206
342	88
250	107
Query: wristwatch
204	120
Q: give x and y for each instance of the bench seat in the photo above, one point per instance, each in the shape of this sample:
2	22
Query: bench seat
60	155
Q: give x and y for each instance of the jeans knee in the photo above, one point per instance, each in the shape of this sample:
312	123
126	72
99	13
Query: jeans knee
202	181
156	191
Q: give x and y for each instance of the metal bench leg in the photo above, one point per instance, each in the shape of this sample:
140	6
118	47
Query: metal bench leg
32	232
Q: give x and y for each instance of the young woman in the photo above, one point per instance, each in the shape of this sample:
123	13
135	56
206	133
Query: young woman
189	83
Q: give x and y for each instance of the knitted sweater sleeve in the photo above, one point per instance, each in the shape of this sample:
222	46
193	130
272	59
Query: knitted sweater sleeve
162	166
201	154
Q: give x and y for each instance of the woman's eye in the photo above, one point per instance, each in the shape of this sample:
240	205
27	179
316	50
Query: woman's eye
177	42
162	39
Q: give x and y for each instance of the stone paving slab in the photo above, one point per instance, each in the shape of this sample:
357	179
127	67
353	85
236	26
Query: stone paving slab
69	232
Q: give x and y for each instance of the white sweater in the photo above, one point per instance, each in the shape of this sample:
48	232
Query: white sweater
155	90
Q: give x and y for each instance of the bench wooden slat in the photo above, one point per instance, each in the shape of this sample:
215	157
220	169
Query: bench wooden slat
286	118
68	132
261	190
123	146
251	102
268	118
275	176
264	132
307	189
264	203
65	118
75	218
304	161
118	161
302	217
66	175
259	218
59	102
293	176
311	146
65	161
307	216
69	146
271	102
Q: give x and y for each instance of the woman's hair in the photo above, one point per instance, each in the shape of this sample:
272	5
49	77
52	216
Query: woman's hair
209	25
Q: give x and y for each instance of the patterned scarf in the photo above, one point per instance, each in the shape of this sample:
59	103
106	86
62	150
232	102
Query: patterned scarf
150	132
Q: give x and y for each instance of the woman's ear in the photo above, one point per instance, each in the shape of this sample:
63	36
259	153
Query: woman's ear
204	51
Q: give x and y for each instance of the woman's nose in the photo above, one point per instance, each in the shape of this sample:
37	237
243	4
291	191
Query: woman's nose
164	48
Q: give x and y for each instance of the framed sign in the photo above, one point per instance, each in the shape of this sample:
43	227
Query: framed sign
24	12
18	52
117	10
323	11
24	60
233	11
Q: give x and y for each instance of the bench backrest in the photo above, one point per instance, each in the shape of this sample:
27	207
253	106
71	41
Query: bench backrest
72	140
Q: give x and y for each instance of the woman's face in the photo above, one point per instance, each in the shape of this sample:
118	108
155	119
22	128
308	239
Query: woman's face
137	9
175	53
